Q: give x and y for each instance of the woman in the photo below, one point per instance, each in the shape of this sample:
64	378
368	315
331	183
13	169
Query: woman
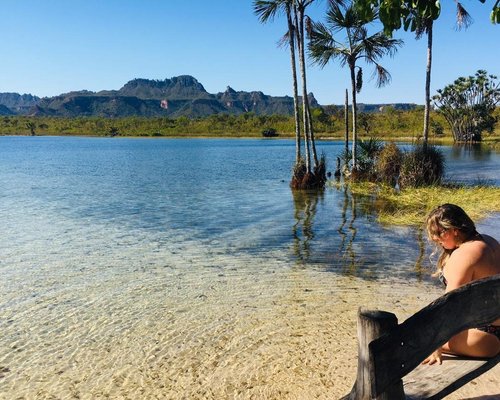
467	256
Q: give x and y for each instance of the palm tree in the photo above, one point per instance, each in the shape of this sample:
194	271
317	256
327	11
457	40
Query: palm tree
295	13
358	45
419	17
424	25
266	10
301	6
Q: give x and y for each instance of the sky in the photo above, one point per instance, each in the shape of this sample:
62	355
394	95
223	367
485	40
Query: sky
51	47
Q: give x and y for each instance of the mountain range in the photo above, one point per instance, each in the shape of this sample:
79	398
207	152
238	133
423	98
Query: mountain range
175	97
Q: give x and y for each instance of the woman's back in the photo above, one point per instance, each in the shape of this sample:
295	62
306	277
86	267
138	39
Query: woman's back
482	256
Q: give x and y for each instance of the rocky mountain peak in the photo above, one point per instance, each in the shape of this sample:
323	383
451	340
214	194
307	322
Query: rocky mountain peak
180	87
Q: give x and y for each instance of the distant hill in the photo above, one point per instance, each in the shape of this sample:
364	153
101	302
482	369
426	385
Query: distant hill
17	103
6	111
183	87
178	96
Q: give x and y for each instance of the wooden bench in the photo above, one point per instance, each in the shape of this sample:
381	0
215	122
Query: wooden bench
390	355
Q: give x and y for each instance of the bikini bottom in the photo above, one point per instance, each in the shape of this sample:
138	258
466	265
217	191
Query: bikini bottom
493	329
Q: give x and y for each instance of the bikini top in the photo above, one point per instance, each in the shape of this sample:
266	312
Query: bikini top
442	279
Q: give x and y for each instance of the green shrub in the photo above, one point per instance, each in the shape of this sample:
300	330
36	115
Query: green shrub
422	166
368	151
388	163
269	132
436	128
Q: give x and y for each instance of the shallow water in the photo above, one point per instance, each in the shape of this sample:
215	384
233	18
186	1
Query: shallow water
136	268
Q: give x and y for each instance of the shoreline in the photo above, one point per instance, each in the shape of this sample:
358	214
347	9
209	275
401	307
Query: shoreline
405	139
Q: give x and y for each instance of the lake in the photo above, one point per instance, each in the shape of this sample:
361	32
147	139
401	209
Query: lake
187	268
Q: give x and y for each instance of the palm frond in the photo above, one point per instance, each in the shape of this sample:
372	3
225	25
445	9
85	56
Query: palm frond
267	10
322	46
383	76
335	18
379	45
423	26
341	3
464	20
284	40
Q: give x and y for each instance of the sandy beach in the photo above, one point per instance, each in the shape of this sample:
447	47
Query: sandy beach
272	334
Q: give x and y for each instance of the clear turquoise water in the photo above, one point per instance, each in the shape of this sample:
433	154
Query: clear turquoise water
162	264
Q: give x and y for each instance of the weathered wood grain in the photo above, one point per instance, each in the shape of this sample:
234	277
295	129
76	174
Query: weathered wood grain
434	382
401	350
371	325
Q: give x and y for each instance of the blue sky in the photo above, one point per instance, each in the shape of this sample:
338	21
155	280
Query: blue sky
51	47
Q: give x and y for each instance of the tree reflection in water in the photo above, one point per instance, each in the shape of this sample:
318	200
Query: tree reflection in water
344	236
470	151
347	251
305	204
420	270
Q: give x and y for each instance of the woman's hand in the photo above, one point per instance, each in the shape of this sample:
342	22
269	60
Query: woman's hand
435	357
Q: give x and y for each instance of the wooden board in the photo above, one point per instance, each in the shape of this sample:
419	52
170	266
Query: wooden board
402	350
436	381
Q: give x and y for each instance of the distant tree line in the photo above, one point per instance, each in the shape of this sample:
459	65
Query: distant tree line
328	121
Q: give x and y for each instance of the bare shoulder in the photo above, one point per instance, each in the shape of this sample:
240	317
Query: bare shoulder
487	244
483	255
471	250
473	260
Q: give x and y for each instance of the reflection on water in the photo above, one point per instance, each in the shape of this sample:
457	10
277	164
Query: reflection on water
349	237
473	151
474	163
128	272
355	244
419	264
305	203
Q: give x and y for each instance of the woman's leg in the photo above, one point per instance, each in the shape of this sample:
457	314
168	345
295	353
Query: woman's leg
473	343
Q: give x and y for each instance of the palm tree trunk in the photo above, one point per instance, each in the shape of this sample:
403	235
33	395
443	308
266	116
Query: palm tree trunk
311	135
291	38
354	118
346	121
428	85
300	41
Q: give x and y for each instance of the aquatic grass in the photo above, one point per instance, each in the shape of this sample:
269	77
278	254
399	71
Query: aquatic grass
410	206
422	166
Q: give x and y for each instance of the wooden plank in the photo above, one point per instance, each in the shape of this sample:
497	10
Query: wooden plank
406	346
434	382
371	325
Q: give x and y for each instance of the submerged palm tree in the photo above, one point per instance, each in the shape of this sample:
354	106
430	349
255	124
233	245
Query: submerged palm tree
358	45
266	10
300	7
304	176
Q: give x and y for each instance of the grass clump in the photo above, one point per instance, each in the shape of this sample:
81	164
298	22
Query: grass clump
422	166
388	163
410	206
